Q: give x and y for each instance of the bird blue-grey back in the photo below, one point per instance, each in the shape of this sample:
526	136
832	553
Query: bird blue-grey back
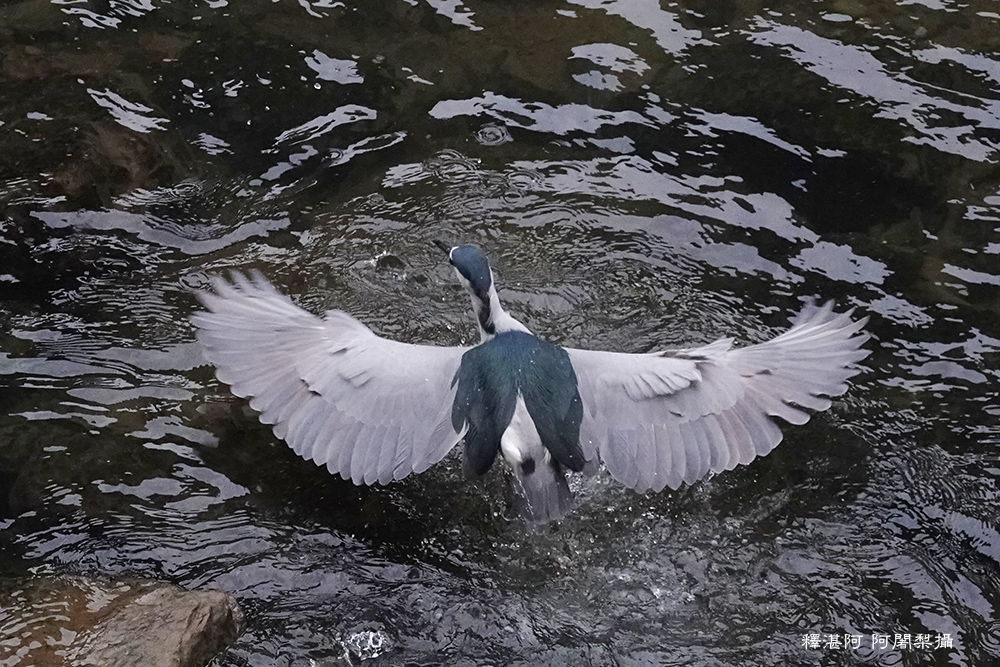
375	410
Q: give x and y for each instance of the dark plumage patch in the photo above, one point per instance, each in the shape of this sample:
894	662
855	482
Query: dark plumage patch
489	379
486	318
470	261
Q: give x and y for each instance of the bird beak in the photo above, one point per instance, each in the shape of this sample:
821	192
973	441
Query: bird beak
444	246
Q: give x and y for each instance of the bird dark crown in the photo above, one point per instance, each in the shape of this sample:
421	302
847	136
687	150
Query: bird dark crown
470	261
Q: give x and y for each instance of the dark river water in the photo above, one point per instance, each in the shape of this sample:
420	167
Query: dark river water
643	174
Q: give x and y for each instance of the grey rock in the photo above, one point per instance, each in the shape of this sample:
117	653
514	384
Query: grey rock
79	621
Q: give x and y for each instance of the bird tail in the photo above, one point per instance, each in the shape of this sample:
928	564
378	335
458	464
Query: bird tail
541	494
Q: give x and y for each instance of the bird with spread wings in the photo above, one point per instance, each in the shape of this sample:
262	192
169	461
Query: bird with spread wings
376	410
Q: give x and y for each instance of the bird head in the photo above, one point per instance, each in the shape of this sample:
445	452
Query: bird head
473	271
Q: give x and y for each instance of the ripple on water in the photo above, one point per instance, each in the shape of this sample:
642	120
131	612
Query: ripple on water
987	636
493	134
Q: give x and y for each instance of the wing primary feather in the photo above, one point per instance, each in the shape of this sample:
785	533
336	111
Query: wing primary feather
696	458
667	455
385	451
390	455
339	457
325	441
650	469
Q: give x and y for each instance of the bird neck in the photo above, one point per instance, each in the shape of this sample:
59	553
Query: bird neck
492	318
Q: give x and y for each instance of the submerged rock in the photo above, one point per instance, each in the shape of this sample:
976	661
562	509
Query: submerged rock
79	621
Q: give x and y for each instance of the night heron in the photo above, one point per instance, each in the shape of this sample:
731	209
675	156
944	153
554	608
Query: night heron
376	410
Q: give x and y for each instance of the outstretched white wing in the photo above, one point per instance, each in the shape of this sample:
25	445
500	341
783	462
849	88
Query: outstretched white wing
368	408
670	417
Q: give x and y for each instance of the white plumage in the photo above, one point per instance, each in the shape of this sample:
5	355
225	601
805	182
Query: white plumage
375	410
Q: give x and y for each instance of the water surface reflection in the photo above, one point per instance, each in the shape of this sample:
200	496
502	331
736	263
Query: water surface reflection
644	175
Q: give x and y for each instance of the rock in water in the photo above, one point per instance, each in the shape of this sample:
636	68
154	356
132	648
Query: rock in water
78	621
